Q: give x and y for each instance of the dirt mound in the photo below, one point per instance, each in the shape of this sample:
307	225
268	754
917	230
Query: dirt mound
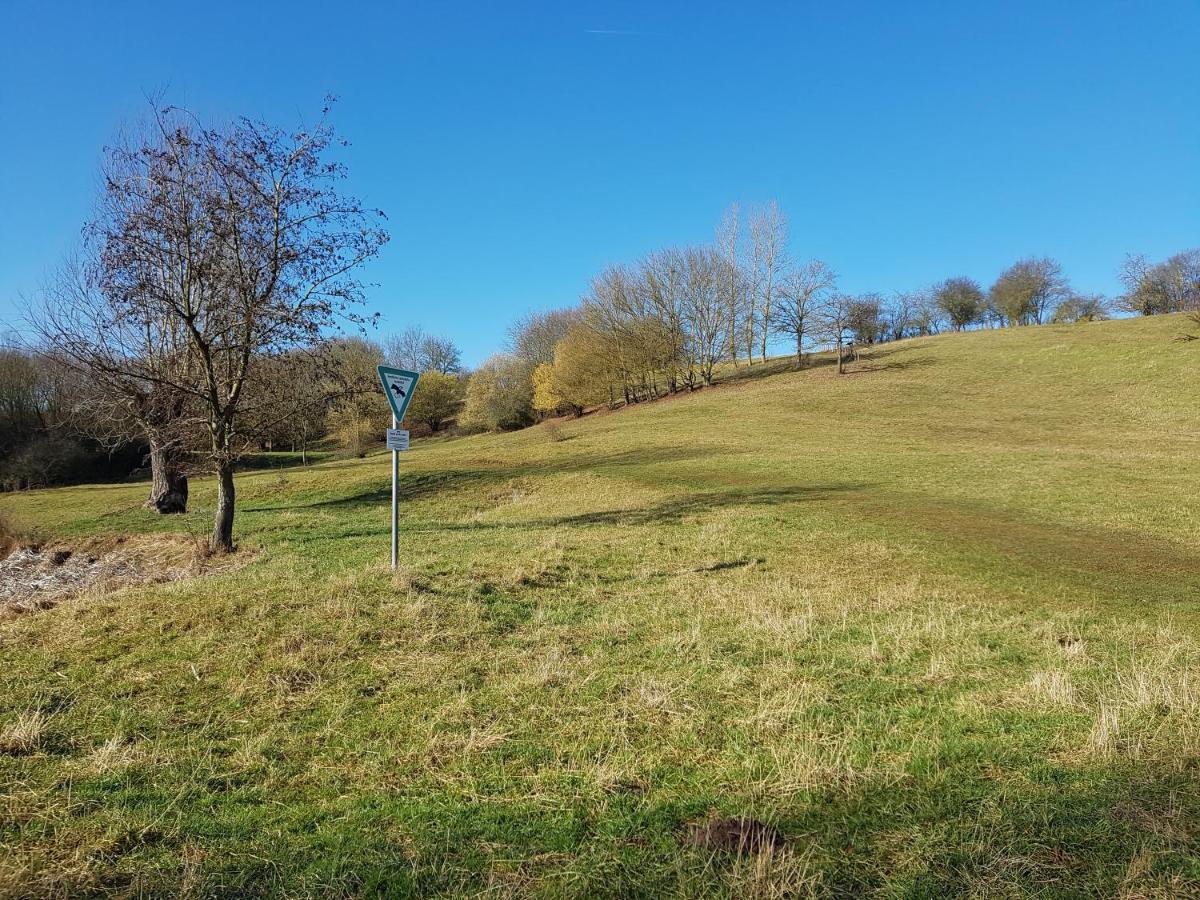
39	577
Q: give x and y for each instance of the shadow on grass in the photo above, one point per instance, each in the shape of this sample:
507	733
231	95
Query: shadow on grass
875	358
678	508
417	485
883	360
1049	831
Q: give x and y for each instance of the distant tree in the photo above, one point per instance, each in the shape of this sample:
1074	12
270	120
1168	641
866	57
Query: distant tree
36	399
534	336
640	314
901	315
21	394
653	325
437	399
580	376
961	299
1081	308
866	318
418	351
768	260
359	414
834	325
442	356
703	311
547	396
1027	290
803	290
499	395
1166	287
733	281
288	396
928	316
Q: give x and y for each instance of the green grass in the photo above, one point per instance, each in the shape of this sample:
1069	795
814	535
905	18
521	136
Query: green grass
937	620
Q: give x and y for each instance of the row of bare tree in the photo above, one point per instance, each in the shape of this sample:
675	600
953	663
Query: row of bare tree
667	322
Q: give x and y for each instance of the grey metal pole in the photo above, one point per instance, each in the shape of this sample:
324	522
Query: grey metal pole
395	502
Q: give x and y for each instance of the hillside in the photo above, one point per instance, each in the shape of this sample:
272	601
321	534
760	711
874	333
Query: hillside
937	620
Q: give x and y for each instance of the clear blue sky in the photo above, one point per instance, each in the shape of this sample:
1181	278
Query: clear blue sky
519	147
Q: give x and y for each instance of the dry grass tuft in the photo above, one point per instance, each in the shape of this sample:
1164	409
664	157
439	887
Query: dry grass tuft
13	536
1106	732
542	567
1052	688
114	755
25	735
773	874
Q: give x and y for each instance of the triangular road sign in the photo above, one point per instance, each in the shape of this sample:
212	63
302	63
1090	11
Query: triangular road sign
399	385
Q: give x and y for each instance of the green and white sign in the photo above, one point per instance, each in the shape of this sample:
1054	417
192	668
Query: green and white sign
399	385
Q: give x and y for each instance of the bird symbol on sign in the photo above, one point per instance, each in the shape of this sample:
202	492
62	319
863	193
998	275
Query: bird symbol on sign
396	387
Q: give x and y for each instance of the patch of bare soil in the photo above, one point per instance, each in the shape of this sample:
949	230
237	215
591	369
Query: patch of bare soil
743	836
39	577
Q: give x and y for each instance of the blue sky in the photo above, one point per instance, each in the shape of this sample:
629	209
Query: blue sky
519	147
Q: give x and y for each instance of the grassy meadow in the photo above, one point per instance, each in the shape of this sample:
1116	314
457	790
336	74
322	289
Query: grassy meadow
937	620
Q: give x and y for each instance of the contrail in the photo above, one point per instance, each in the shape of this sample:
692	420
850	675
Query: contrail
618	31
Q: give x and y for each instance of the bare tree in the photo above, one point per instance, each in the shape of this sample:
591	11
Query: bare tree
533	336
417	350
1028	290
441	355
404	350
132	354
928	315
902	314
866	318
664	332
803	290
1081	308
704	312
733	287
834	322
961	300
1172	285
768	254
231	245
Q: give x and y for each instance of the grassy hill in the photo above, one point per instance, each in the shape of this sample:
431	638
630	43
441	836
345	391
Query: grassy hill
937	620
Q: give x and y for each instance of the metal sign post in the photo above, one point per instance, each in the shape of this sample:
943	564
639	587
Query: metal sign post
398	385
395	501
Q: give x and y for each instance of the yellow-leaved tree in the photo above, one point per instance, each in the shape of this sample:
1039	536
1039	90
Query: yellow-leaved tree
436	400
581	375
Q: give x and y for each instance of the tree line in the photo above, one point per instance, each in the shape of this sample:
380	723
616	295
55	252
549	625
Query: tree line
667	322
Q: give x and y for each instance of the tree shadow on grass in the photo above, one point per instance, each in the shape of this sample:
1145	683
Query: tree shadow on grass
418	485
1049	831
775	366
697	503
1069	830
871	362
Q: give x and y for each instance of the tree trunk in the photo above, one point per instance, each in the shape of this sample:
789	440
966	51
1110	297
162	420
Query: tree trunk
799	350
168	485
222	536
